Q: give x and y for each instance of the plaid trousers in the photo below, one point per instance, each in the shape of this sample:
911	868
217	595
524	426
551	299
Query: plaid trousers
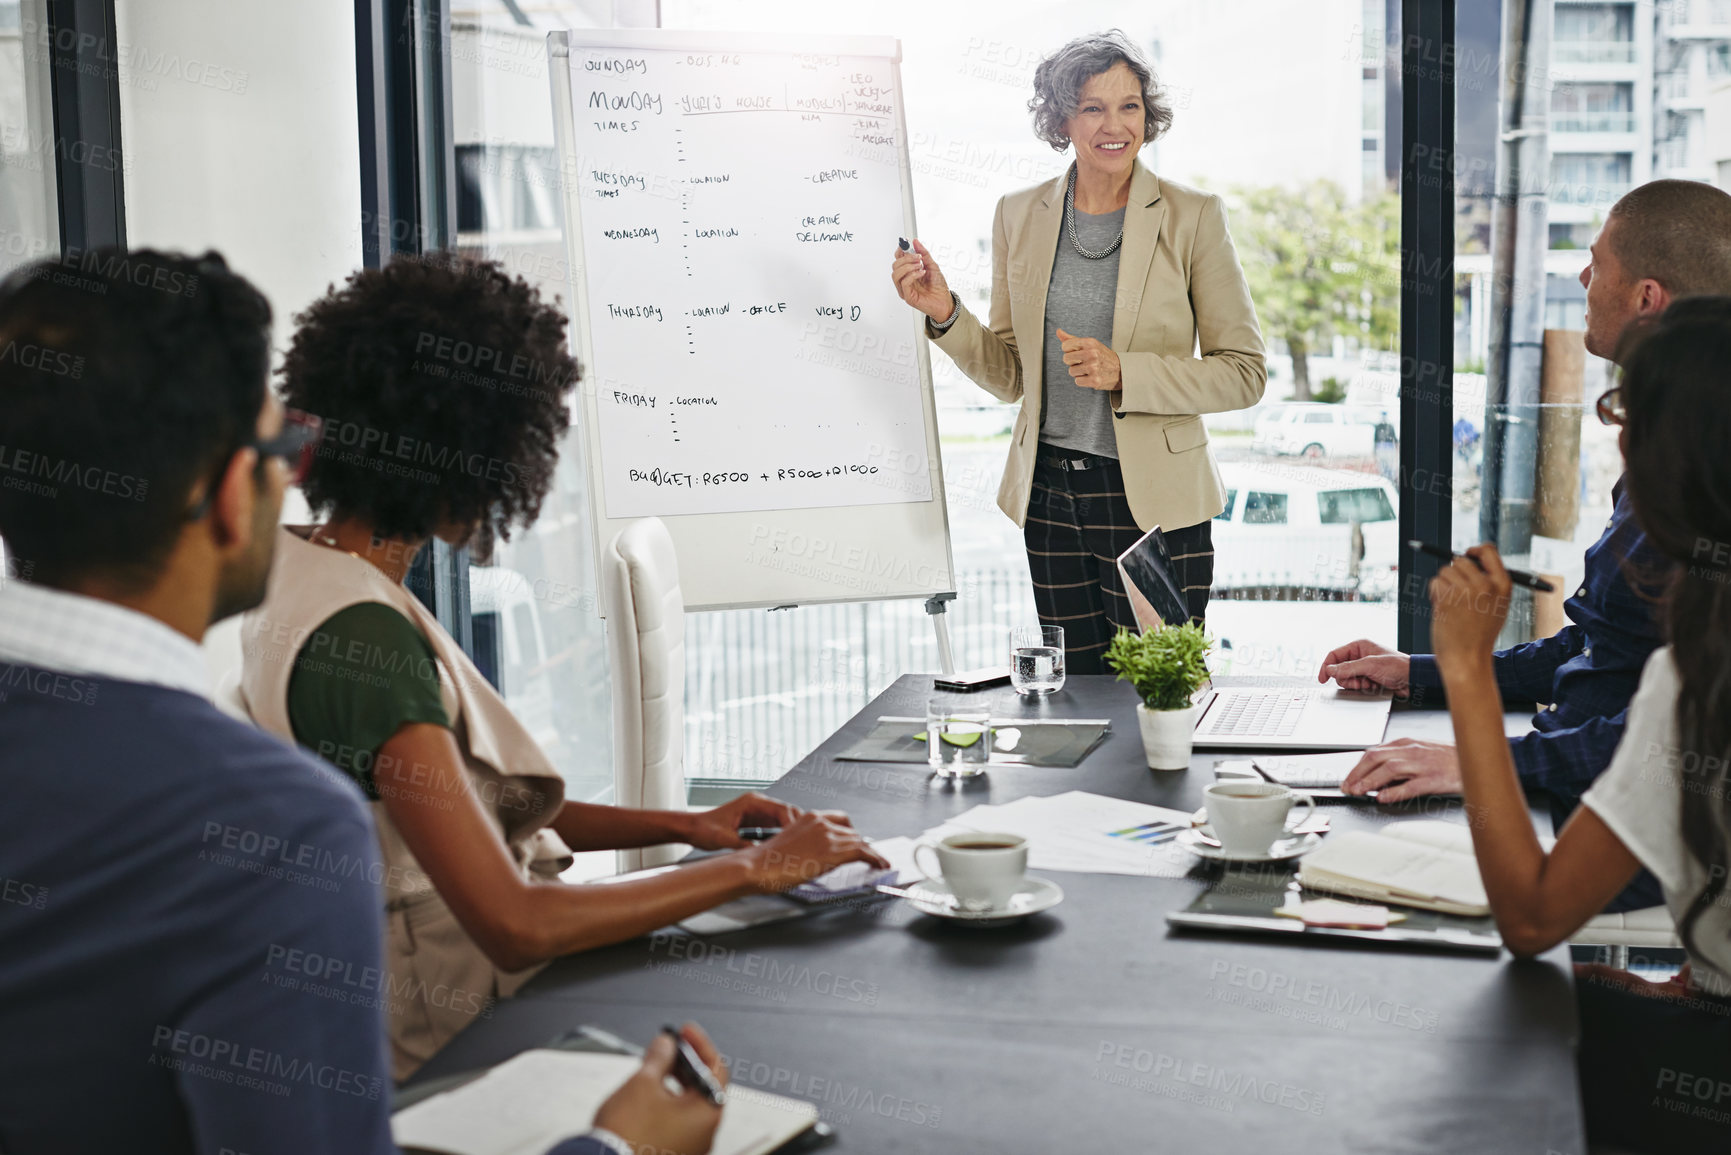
1079	521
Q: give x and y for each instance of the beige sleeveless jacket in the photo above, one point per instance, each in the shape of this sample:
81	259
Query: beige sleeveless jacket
438	981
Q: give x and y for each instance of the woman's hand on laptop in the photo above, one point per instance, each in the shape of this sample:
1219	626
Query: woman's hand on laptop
718	829
813	844
650	1117
1364	665
1405	768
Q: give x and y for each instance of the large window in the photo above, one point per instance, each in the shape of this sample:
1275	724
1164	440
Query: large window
1533	468
537	629
1308	189
1590	178
1593	107
1311	190
1593	33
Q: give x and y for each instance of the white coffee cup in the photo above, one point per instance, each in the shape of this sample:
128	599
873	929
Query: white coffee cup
1248	817
982	870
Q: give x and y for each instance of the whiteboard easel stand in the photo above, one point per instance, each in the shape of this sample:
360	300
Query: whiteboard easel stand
941	626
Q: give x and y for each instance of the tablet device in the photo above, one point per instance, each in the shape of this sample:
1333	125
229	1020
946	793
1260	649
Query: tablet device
1149	582
1244	902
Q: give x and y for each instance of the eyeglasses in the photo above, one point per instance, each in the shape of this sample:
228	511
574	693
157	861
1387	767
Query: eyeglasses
1609	407
296	445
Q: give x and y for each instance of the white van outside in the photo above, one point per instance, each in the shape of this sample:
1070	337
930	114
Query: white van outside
1304	527
1315	431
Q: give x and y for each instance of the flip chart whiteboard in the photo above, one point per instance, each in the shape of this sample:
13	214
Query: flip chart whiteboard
732	203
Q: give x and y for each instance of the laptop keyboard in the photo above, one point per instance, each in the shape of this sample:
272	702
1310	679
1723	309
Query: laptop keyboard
1271	714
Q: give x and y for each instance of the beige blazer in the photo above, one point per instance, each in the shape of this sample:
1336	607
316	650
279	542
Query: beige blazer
437	979
1180	289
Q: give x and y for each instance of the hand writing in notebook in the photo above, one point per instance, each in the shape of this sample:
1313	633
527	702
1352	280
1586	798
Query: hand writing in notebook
650	1117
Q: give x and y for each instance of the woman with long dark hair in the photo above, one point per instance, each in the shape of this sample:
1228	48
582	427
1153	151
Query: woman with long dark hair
1655	1059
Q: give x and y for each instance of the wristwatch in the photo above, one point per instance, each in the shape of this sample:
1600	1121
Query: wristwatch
955	311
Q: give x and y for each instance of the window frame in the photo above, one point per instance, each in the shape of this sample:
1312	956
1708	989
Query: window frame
1427	249
84	88
408	176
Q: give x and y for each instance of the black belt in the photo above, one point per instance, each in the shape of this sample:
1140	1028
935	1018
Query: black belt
1058	460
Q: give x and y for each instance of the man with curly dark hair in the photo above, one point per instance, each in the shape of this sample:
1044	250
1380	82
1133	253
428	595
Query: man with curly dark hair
443	387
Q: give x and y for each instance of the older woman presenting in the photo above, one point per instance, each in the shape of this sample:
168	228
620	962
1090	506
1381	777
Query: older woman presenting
1106	284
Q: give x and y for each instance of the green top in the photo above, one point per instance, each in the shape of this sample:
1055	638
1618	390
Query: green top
361	676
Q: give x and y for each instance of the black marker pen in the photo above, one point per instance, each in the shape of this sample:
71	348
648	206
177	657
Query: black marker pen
691	1071
1519	577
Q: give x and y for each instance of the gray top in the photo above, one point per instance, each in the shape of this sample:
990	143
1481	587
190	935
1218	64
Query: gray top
1080	301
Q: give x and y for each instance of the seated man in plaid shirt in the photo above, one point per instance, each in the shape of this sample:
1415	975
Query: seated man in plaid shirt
1663	241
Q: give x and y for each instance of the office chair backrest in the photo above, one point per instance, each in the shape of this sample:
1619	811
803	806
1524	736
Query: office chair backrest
646	656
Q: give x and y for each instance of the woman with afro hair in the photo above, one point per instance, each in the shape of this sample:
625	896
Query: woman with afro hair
443	386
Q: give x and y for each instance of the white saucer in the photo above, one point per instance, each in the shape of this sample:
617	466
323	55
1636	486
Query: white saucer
1293	846
932	896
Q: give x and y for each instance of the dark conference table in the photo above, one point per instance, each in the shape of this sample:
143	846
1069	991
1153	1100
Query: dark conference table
1091	1027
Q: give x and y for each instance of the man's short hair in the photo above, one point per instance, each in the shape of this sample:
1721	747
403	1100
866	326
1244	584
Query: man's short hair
126	379
1678	233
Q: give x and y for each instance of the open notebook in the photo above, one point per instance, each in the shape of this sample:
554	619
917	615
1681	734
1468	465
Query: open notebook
527	1104
1425	864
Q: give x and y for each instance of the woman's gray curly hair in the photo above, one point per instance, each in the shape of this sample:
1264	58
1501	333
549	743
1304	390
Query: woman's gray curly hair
1059	79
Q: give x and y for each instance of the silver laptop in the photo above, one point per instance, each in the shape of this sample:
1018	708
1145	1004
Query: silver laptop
1255	713
1289	714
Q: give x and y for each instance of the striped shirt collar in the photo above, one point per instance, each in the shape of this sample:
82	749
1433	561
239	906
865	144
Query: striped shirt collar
73	634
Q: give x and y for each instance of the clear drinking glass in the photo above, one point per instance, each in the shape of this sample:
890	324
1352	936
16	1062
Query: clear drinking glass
1037	659
958	738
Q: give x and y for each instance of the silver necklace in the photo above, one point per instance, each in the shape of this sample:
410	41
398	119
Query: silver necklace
1070	224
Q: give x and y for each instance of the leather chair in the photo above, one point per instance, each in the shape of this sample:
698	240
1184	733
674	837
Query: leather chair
645	615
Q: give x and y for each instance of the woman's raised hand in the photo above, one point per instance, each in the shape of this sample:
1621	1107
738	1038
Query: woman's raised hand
1469	602
921	283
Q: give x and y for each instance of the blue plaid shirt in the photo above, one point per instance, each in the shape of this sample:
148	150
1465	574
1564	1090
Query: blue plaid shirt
1587	671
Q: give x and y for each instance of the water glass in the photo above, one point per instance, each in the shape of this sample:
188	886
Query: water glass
958	738
1037	659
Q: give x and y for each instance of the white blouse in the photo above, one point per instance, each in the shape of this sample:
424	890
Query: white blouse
1640	797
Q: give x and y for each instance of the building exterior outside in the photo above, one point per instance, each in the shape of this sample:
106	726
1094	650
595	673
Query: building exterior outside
1633	88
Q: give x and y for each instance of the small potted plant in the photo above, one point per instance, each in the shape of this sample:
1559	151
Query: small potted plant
1166	666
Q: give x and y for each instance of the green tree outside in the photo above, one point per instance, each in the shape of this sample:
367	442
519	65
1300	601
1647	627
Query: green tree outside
1319	267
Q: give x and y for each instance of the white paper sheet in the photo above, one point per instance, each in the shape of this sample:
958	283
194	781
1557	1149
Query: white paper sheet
1073	831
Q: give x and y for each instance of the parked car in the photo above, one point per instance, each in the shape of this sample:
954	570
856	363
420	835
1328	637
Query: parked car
1315	431
1303	527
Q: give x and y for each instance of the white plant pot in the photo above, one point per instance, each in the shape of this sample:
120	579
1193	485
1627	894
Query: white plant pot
1167	736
